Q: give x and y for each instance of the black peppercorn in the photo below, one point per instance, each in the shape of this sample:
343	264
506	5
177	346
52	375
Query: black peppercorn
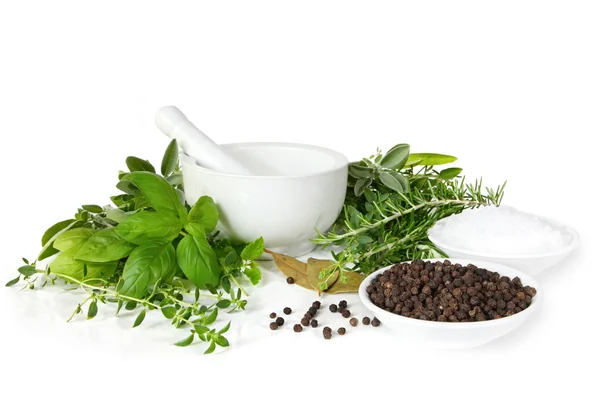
308	315
375	322
279	321
341	331
290	280
346	313
297	328
287	311
272	315
316	304
333	308
312	311
327	333
366	320
304	321
273	326
354	321
343	304
314	323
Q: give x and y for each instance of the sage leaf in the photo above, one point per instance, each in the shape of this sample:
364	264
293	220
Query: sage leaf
105	246
169	311
148	264
137	164
92	208
170	159
128	187
198	261
450	173
140	318
429	159
210	348
72	238
13	281
147	226
361	185
358	171
394	181
27	270
253	250
92	310
185	342
205	213
396	157
161	196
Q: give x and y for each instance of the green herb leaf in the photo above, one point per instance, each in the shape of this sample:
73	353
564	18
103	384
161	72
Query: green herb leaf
364	239
205	213
175	179
92	208
169	311
223	304
105	246
450	173
212	317
66	265
358	171
140	318
137	164
198	261
170	159
148	264
92	310
253	273
195	229
225	284
54	229
222	341
72	238
185	342
161	196
147	226
27	270
13	281
103	270
394	181
429	159
396	157
128	187
225	328
131	305
361	185
210	348
253	250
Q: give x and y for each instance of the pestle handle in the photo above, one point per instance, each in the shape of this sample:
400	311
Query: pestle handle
172	122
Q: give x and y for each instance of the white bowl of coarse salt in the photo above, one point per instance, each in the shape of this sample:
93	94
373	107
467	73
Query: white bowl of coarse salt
505	235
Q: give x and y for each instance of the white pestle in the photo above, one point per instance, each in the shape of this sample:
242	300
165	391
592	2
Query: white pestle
172	122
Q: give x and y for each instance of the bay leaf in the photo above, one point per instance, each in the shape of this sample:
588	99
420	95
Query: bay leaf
291	267
314	268
354	280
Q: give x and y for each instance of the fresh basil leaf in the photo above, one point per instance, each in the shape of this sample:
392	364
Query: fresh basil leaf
137	164
54	229
253	250
148	264
147	226
170	159
195	229
198	261
205	213
92	208
72	238
121	200
53	232
116	215
253	273
429	159
103	270
162	196
65	264
450	173
105	246
140	318
27	270
185	342
396	157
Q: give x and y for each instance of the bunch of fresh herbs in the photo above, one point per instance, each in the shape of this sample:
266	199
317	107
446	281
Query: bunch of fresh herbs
150	251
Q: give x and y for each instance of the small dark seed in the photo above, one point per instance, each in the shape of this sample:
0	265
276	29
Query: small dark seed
375	322
273	326
343	304
327	335
308	315
287	311
272	315
342	331
290	280
346	314
304	321
312	311
327	329
316	304
366	320
314	323
333	308
279	321
297	328
354	321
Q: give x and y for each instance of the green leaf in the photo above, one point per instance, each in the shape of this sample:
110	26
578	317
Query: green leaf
222	341
92	208
105	246
225	328
128	187
394	181
72	238
170	159
358	171
210	348
364	239
195	229
54	229
198	261
162	196
131	305
361	185
253	273
396	157
146	226
53	232
103	270
148	264
92	310
225	284
13	281
253	250
450	173
200	329
137	164
429	159
223	304
212	289
169	311
175	179
121	200
211	318
66	265
27	270
116	215
205	213
185	342
140	318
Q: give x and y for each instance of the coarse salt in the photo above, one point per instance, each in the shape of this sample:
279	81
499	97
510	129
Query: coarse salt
500	230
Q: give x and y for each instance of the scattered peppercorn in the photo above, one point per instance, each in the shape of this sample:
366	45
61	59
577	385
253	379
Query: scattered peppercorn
273	326
346	313
447	292
342	331
279	321
314	323
308	315
297	328
327	333
312	311
272	315
366	320
287	311
290	280
354	321
375	322
333	308
343	304
316	304
304	321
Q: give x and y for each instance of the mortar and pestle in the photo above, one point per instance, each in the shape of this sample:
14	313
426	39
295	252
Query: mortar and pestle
280	191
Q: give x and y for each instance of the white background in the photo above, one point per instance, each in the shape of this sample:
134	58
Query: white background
511	88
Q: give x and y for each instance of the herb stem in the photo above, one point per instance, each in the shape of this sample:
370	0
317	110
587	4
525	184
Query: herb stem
238	285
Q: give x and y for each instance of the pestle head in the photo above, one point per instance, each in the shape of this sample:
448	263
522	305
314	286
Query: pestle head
167	118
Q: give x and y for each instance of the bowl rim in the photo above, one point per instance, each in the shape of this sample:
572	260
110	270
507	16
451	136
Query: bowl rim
496	267
341	161
575	241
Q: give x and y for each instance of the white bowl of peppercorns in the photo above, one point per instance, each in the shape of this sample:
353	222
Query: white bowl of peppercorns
451	303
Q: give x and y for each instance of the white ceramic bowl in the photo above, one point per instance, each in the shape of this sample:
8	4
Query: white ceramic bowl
300	188
454	335
529	263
